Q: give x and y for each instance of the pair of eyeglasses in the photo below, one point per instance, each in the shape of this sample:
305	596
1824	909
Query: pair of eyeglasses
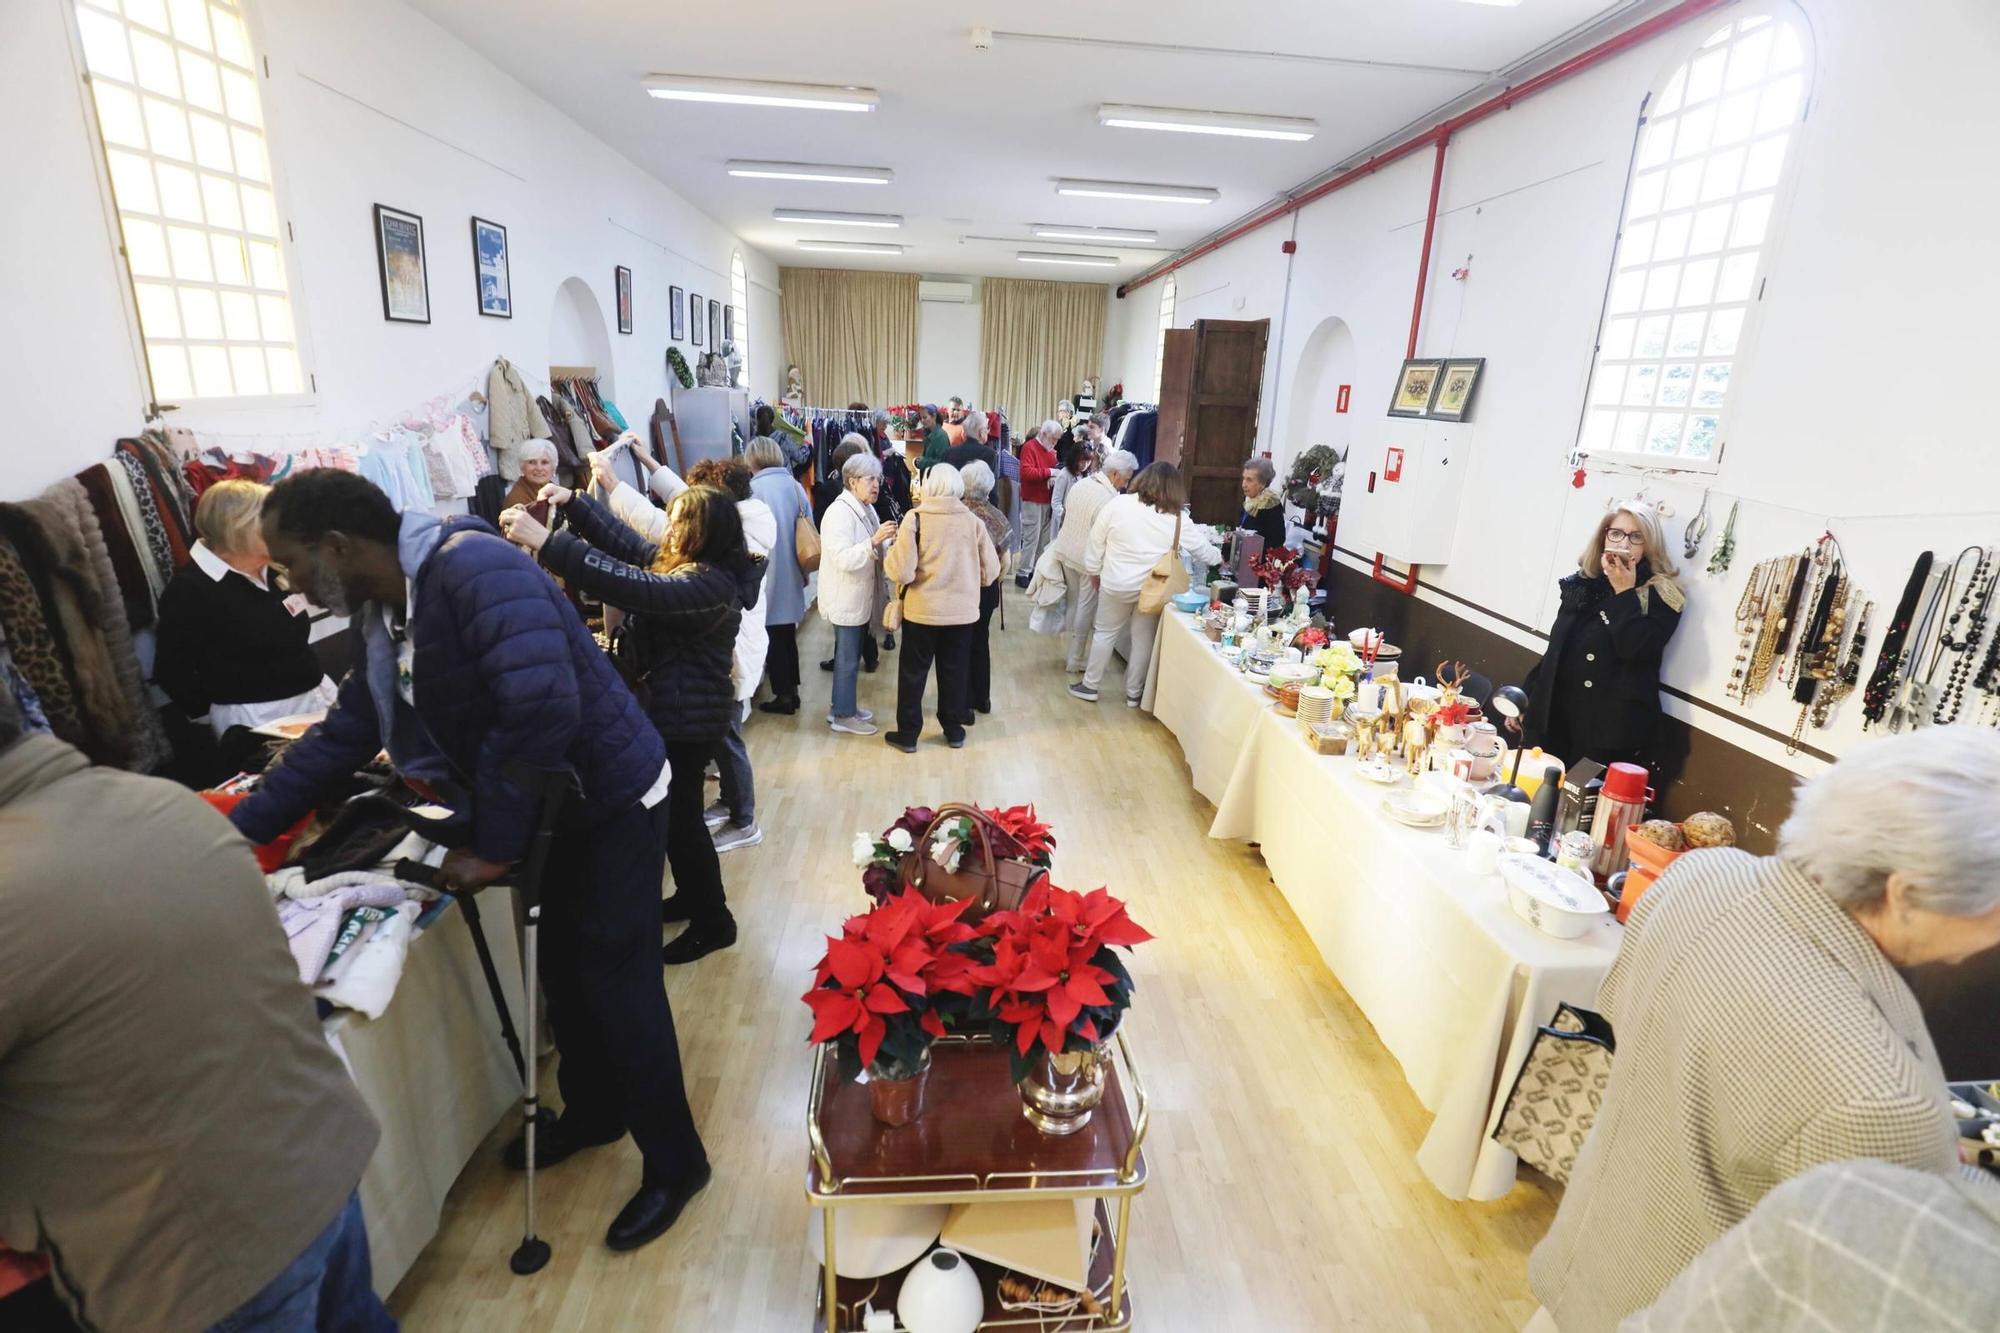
1619	537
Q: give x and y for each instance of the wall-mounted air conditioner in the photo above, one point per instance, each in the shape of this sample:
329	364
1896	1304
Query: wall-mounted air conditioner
947	293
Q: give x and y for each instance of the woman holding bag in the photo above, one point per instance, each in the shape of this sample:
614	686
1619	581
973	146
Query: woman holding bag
1136	541
939	561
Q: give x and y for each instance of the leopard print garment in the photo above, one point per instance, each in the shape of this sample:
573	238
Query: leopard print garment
34	648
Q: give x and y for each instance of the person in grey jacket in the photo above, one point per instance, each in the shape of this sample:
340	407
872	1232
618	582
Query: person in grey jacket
785	591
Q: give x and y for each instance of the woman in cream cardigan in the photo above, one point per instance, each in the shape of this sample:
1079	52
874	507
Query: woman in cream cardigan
851	540
940	560
1762	1024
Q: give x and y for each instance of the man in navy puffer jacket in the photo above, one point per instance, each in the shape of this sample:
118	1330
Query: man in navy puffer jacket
473	661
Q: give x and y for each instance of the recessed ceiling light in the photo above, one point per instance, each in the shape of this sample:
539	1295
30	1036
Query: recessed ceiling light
812	171
1502	4
1159	194
1045	257
853	247
1050	231
1207	122
756	92
837	219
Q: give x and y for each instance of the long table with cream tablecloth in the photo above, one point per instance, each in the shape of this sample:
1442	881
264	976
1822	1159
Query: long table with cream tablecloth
1454	983
437	1075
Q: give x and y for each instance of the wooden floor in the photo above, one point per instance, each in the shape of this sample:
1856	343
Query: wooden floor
1284	1193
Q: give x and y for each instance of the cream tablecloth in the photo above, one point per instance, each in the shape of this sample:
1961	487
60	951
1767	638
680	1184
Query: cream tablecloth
435	1072
1454	983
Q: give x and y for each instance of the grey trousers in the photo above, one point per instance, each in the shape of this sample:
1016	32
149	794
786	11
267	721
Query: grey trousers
1037	531
1115	612
1082	617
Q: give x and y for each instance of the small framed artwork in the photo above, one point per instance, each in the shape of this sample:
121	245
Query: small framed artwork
489	269
1456	386
729	323
715	325
1415	387
624	276
694	320
677	313
406	282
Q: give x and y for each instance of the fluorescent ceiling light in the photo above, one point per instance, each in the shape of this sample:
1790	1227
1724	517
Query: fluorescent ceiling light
852	247
837	219
812	171
1207	122
1502	4
1045	257
1050	231
1159	194
755	92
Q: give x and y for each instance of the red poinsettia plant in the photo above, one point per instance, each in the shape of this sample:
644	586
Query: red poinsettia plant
895	979
1457	713
1279	568
1050	979
905	417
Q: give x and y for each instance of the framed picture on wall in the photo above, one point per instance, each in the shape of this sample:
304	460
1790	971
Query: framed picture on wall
624	276
1415	387
1456	385
676	313
406	282
489	269
729	323
715	325
694	320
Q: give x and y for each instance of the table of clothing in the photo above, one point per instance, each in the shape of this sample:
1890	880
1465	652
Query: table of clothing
1454	983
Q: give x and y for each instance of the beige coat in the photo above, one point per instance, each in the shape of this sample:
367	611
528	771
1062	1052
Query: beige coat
512	416
956	560
1760	1033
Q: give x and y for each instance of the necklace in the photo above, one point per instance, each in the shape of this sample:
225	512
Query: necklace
1819	651
1888	659
1773	627
1970	613
1725	545
1813	611
1750	612
1912	695
1697	528
1843	684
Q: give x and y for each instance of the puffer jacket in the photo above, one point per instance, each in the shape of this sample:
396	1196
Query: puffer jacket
682	626
504	671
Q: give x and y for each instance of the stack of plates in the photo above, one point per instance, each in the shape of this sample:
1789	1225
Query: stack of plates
1315	705
1259	600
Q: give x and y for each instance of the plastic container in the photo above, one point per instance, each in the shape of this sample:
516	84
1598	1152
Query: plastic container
1620	805
1649	862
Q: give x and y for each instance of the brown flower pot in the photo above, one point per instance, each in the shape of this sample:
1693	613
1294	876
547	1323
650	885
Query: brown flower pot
1062	1091
898	1101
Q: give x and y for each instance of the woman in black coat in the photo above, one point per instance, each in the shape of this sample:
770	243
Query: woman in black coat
1263	505
1596	693
683	599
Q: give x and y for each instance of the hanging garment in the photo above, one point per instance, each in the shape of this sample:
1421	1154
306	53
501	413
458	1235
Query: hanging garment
33	646
513	416
25	699
73	614
158	548
121	543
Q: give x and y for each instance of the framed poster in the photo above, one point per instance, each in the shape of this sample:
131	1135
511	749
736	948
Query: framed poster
489	269
1456	385
406	282
729	323
694	320
676	313
1415	387
715	325
624	276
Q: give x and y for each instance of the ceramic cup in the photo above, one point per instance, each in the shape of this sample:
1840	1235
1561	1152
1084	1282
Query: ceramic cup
1482	852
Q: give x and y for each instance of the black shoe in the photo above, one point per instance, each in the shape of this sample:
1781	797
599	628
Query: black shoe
827	665
907	744
786	706
556	1139
956	742
696	942
870	664
648	1214
983	708
968	720
888	641
676	909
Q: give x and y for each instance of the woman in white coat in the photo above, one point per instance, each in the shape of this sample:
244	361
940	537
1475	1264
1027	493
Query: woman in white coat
1128	537
852	537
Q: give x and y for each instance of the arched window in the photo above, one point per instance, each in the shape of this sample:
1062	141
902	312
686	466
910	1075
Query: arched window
1166	322
739	301
1707	176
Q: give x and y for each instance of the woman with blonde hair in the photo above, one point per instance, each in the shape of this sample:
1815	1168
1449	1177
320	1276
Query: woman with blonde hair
1596	693
683	598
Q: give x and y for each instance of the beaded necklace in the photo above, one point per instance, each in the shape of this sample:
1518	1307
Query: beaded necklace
1792	580
1912	698
1750	612
1889	658
1843	684
1971	613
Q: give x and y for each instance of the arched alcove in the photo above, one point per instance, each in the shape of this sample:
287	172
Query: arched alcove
578	334
1315	416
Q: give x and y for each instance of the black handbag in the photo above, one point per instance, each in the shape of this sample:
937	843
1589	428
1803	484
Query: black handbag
1556	1097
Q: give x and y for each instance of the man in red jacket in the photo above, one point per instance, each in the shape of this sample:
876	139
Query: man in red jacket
1038	464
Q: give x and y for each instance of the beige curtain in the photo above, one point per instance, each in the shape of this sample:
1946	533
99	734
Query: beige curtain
853	336
1038	341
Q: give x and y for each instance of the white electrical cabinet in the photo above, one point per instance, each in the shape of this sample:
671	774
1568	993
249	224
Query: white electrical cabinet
1405	480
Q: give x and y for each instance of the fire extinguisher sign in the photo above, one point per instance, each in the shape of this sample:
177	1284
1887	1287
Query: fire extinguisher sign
1340	398
1392	466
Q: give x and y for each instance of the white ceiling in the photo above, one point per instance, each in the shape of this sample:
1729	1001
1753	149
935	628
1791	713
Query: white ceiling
978	138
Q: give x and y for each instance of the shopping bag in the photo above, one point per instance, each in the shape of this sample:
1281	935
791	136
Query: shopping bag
1161	580
1046	586
1555	1100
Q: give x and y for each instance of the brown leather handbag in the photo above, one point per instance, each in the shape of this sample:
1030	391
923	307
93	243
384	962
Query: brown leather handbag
995	883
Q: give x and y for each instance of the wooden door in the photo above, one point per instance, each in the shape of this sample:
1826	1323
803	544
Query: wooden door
1221	429
1176	395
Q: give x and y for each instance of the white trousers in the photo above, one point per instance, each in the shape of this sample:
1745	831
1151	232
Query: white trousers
1115	612
1037	531
1082	613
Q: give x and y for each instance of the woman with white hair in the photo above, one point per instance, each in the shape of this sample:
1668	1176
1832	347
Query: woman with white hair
941	558
1763	1026
978	479
1596	692
538	469
1038	471
852	537
1086	498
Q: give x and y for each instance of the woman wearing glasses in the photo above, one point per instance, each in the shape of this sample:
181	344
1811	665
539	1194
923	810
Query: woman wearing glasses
1596	693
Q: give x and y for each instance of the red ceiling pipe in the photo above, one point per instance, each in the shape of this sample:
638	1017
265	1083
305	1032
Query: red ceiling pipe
1504	100
1430	230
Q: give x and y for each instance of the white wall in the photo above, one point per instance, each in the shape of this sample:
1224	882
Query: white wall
948	346
1878	282
368	102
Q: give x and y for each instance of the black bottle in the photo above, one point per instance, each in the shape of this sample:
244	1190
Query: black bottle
1542	814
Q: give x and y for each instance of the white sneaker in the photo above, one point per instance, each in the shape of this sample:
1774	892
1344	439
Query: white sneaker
854	726
861	713
1131	703
1083	692
715	816
730	838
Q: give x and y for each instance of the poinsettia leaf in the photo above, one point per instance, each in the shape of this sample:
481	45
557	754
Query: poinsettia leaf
1024	1036
833	1012
1084	989
884	1000
1063	1006
871	1041
932	1023
853	965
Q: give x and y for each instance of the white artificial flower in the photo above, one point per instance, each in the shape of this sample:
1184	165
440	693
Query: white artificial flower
946	851
864	848
900	839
